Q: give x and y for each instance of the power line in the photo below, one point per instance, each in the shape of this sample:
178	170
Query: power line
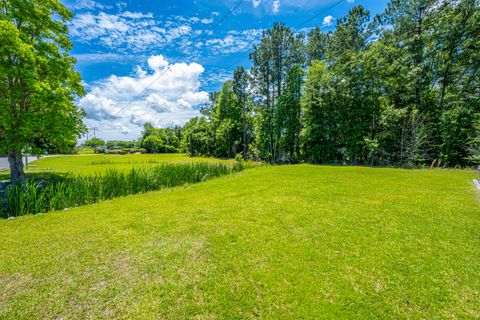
94	132
319	14
231	12
235	62
166	69
426	24
297	27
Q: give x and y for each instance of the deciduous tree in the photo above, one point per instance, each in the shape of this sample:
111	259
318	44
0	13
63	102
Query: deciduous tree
38	83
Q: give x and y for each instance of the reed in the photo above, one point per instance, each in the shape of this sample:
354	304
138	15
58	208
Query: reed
57	193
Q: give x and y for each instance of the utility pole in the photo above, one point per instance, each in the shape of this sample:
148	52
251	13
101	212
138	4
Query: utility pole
94	129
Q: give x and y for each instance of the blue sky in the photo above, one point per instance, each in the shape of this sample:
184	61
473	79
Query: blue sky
145	60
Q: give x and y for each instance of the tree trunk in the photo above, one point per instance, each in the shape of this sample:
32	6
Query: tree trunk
446	75
244	134
16	166
419	60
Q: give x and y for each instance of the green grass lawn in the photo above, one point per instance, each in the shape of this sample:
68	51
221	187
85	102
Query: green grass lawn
93	163
287	242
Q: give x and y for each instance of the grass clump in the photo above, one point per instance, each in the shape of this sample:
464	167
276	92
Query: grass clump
60	192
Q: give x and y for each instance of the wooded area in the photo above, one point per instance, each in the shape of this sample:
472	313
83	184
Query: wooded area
401	88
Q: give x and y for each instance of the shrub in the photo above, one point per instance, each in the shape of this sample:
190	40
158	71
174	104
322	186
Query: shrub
152	144
126	151
121	152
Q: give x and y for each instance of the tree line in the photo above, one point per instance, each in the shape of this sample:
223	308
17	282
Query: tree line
401	88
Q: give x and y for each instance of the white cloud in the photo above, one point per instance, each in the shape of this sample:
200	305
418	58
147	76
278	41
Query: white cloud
273	6
130	31
166	95
157	63
276	6
121	5
327	21
87	5
350	1
99	108
136	15
105	57
233	41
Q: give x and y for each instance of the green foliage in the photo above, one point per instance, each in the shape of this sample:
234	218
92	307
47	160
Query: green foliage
94	143
124	151
114	144
319	116
38	83
240	90
198	138
153	144
278	51
317	45
457	126
289	113
227	121
161	140
226	128
400	89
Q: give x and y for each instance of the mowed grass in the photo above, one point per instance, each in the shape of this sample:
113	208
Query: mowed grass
287	242
94	163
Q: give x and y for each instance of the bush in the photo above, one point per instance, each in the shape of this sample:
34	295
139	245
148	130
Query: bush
152	144
115	152
134	150
169	149
126	151
115	144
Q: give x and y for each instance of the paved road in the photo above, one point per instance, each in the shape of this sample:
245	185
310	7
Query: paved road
4	162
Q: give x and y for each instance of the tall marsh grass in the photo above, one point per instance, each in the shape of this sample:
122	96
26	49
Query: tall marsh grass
57	193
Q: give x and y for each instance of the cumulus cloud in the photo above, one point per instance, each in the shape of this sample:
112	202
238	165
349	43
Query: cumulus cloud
157	63
166	94
327	21
256	3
